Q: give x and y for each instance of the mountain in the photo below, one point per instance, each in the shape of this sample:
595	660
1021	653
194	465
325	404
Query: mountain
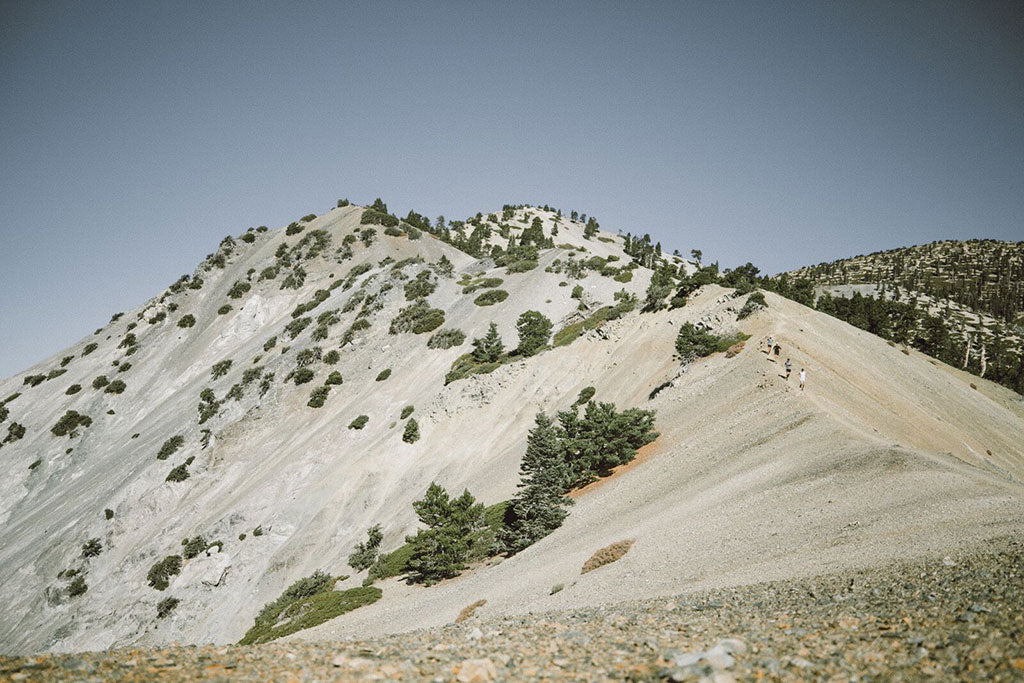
263	403
959	301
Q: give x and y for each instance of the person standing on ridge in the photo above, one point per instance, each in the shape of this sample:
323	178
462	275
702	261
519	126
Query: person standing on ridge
789	369
803	378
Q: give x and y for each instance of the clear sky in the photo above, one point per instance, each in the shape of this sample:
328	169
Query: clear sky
135	135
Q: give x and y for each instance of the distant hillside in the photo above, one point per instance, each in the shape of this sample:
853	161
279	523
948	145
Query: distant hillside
960	302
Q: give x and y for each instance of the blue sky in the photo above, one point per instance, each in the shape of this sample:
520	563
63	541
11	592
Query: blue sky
136	135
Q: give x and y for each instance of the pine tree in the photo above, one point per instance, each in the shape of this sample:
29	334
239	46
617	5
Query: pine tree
489	348
441	550
366	553
539	506
534	332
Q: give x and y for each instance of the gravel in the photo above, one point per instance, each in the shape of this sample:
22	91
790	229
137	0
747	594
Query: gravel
957	617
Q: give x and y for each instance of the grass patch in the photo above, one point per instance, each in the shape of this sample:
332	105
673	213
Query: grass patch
468	610
294	611
491	297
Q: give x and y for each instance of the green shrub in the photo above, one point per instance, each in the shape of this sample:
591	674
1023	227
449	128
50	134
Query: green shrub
239	289
287	614
307	218
179	473
332	357
446	338
268	273
73	389
208	405
623	276
15	432
124	367
365	554
187	320
100	382
373	217
56	372
115	387
417	318
159	573
220	368
384	374
452	536
753	303
77	587
293	229
35	380
419	287
223	310
295	327
359	422
108	513
35	464
407	411
92	548
171	446
65	360
693	342
303	375
191	547
521	266
167	605
69	422
89	348
318	397
334	379
411	434
491	297
258	531
392	231
270	343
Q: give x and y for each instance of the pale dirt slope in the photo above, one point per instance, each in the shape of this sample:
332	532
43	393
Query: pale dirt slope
884	456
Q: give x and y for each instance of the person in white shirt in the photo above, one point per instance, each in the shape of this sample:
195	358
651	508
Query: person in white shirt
803	378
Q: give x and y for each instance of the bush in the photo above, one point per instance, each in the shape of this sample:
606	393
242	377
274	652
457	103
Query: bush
392	231
359	422
602	439
374	217
158	574
318	397
287	615
420	287
446	338
70	421
307	218
453	524
753	303
178	474
692	342
220	368
293	229
332	357
295	327
491	297
35	380
108	513
193	546
115	387
100	382
171	446
77	587
92	548
607	555
268	273
412	431
89	348
303	375
238	289
73	389
15	431
223	310
407	411
187	320
270	343
417	318
488	349
208	405
384	374
586	393
167	605
334	379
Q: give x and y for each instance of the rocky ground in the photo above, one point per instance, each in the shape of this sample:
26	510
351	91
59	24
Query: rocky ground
957	617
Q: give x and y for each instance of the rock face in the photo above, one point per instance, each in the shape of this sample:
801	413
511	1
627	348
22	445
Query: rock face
750	479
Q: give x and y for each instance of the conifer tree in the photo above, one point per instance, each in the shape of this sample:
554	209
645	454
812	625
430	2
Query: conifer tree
539	506
534	332
441	550
366	553
488	349
412	431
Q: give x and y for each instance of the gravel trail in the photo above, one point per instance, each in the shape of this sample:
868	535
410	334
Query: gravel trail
960	617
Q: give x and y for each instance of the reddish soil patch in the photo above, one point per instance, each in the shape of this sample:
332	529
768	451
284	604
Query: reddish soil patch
642	455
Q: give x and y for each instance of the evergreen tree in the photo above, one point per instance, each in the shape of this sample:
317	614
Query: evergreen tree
662	283
534	332
591	228
488	349
441	550
602	439
539	506
412	431
366	553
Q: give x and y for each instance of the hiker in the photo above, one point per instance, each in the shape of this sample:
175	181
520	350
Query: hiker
777	350
771	343
789	369
803	378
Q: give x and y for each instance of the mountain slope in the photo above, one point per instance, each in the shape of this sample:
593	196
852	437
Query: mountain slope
885	455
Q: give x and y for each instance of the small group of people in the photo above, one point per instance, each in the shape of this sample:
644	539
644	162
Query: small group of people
774	350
